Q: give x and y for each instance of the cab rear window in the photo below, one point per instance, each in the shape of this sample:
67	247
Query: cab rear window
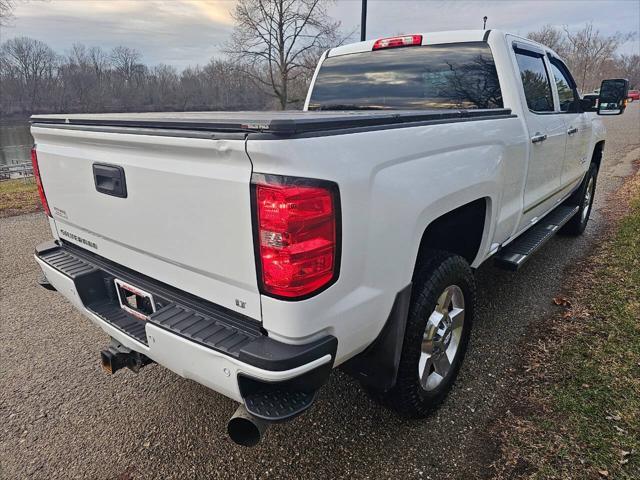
457	75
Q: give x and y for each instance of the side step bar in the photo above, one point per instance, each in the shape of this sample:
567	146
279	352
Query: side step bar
513	256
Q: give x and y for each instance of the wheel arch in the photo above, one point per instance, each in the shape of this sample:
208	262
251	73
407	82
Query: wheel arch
463	231
598	151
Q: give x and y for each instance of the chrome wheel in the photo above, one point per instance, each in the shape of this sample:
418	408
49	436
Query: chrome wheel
588	198
441	338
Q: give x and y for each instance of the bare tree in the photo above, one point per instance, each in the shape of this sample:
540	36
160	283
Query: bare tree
79	76
6	10
273	40
474	84
99	61
551	37
589	50
628	66
590	55
33	63
125	61
85	80
33	78
163	85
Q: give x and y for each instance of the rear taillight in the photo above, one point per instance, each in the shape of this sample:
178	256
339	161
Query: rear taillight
297	224
395	42
36	174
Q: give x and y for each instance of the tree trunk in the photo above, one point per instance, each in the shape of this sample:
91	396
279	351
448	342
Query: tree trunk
284	92
281	54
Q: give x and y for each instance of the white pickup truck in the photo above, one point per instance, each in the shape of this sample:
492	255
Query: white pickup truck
255	251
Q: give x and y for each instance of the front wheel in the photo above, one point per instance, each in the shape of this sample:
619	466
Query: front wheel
436	336
583	197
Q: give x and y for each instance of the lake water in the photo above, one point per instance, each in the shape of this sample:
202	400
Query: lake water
15	142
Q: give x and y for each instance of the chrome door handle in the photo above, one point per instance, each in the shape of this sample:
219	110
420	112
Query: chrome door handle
538	137
572	130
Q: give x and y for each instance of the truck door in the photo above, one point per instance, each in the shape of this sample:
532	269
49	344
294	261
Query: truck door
577	122
547	133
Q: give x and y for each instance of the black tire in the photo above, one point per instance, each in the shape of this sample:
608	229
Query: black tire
578	223
440	271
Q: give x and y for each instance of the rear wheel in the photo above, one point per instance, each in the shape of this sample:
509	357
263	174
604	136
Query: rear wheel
583	198
436	336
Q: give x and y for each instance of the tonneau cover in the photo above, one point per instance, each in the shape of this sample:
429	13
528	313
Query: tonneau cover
285	123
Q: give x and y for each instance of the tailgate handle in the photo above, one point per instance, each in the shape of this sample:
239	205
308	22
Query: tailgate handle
109	179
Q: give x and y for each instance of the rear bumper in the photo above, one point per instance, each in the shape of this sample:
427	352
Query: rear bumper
214	346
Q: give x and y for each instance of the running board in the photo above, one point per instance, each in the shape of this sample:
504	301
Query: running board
520	250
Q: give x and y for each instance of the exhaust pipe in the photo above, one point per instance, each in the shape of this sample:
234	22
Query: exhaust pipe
245	429
113	359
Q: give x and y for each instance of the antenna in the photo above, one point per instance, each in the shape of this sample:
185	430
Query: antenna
484	25
363	21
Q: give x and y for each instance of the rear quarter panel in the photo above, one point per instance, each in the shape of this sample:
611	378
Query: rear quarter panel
393	184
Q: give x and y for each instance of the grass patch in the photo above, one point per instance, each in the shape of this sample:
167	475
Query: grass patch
18	196
582	389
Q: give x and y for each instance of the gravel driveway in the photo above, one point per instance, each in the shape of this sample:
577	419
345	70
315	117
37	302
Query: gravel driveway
62	417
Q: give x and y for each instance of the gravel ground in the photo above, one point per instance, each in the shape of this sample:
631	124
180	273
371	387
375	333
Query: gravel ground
62	417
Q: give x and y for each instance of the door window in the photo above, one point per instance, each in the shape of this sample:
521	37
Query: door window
535	81
566	95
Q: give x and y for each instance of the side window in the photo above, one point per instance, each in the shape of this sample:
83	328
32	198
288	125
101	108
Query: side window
565	91
535	81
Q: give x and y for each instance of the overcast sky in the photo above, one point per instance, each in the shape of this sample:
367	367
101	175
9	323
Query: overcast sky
190	32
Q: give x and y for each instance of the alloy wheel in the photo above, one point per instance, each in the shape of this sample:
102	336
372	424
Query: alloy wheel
441	338
588	198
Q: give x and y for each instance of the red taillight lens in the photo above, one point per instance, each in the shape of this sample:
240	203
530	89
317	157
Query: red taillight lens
395	42
36	174
297	234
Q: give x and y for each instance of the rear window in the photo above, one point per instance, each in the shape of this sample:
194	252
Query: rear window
460	75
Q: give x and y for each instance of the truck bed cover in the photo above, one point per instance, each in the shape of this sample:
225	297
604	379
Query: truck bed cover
285	123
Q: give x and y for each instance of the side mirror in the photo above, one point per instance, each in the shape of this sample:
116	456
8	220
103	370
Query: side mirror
613	96
589	104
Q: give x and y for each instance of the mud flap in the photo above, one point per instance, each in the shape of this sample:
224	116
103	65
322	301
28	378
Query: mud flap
377	366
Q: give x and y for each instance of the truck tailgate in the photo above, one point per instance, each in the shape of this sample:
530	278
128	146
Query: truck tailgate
186	217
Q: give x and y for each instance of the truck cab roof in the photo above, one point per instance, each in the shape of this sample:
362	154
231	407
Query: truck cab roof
435	38
428	38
